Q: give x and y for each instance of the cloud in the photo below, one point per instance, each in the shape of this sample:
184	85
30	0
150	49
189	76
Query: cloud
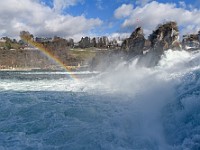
99	4
123	11
154	13
116	35
182	4
41	20
59	5
142	2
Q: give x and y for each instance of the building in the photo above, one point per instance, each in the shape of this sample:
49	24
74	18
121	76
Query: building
42	39
3	39
85	42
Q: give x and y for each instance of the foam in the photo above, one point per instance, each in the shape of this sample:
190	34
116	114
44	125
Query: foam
124	108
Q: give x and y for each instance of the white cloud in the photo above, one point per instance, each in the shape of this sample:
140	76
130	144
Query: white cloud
59	5
17	15
142	2
117	35
123	11
99	4
182	4
154	13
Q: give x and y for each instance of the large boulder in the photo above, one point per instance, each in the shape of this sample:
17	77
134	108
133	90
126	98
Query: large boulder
135	43
166	36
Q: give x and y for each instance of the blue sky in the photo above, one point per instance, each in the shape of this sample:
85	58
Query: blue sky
77	18
104	10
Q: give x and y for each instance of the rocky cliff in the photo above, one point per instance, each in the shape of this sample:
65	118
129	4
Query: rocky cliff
134	45
165	36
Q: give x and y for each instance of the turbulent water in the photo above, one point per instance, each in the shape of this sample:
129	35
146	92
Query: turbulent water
126	108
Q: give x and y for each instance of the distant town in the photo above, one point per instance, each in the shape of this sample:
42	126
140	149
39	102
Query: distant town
85	42
24	55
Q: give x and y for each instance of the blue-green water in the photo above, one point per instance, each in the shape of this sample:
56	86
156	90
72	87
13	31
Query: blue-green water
124	109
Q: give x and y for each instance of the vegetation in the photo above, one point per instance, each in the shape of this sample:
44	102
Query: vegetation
26	53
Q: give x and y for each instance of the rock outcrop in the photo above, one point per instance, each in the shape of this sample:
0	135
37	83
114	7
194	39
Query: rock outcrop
191	42
166	36
134	45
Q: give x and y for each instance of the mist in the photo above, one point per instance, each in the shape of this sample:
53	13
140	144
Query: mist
151	93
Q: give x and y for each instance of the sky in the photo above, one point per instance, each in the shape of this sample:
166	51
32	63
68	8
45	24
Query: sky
79	18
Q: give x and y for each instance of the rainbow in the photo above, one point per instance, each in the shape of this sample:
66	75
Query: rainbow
52	57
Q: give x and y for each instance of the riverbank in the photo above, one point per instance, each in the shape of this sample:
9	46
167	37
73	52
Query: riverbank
69	68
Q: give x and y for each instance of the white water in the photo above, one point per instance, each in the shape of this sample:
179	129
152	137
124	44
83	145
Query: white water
125	108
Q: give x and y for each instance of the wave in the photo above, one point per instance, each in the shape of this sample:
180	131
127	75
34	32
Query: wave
165	97
127	107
